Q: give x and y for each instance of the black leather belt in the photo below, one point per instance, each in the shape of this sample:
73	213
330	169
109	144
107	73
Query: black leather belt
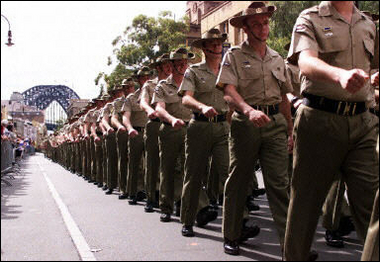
138	129
341	108
374	111
216	119
167	124
156	120
268	110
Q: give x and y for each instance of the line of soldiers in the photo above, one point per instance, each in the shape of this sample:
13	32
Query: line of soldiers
195	133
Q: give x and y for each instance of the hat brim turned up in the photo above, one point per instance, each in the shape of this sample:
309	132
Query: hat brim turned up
250	12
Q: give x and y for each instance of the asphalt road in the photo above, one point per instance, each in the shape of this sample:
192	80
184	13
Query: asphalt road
33	227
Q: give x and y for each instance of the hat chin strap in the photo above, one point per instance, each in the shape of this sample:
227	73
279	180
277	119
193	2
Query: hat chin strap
212	52
252	34
177	72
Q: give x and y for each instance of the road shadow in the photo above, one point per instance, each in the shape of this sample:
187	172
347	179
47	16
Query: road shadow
18	188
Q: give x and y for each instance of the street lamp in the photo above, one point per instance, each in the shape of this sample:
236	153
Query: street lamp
9	33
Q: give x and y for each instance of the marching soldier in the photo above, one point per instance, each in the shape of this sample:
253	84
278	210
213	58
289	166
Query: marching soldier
90	145
102	180
127	87
333	44
110	146
135	119
164	70
255	81
207	133
85	171
175	117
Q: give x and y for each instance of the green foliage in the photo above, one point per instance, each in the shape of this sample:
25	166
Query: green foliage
143	41
284	18
59	124
283	21
371	6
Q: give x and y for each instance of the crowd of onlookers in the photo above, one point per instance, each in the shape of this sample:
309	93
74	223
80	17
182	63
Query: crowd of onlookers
12	145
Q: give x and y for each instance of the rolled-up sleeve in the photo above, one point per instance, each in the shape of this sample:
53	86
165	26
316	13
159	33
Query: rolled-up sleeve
228	74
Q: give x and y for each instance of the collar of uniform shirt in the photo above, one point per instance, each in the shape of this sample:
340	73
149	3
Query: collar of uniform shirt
326	9
170	81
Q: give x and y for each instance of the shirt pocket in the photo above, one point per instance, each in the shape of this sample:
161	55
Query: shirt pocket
204	84
250	81
330	40
279	75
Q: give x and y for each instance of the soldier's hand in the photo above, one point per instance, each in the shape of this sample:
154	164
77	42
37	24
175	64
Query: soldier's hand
152	114
209	111
353	80
97	140
375	79
110	131
290	144
121	129
258	118
298	103
86	137
133	133
178	123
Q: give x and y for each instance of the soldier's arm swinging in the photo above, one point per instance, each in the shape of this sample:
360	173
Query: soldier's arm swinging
115	123
127	123
315	69
286	111
258	118
189	101
105	122
144	103
166	117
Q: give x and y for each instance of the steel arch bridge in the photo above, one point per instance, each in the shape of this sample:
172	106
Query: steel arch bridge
42	96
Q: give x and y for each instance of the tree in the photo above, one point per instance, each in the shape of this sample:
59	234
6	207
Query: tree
143	41
285	17
371	6
283	21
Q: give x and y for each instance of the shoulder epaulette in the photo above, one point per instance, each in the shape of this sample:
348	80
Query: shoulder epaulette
163	81
234	48
196	65
314	9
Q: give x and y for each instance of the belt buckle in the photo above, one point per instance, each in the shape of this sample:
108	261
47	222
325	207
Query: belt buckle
211	119
347	108
354	109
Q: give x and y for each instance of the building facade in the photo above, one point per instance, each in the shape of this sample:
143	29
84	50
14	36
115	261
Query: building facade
75	106
216	14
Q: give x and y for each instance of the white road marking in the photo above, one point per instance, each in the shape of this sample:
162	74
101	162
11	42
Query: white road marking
76	235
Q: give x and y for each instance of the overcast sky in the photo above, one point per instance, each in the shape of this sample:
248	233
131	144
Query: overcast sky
66	43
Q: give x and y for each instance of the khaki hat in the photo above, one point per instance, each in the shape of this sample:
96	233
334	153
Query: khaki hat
106	96
181	53
162	58
256	8
118	87
127	82
144	71
210	35
99	98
